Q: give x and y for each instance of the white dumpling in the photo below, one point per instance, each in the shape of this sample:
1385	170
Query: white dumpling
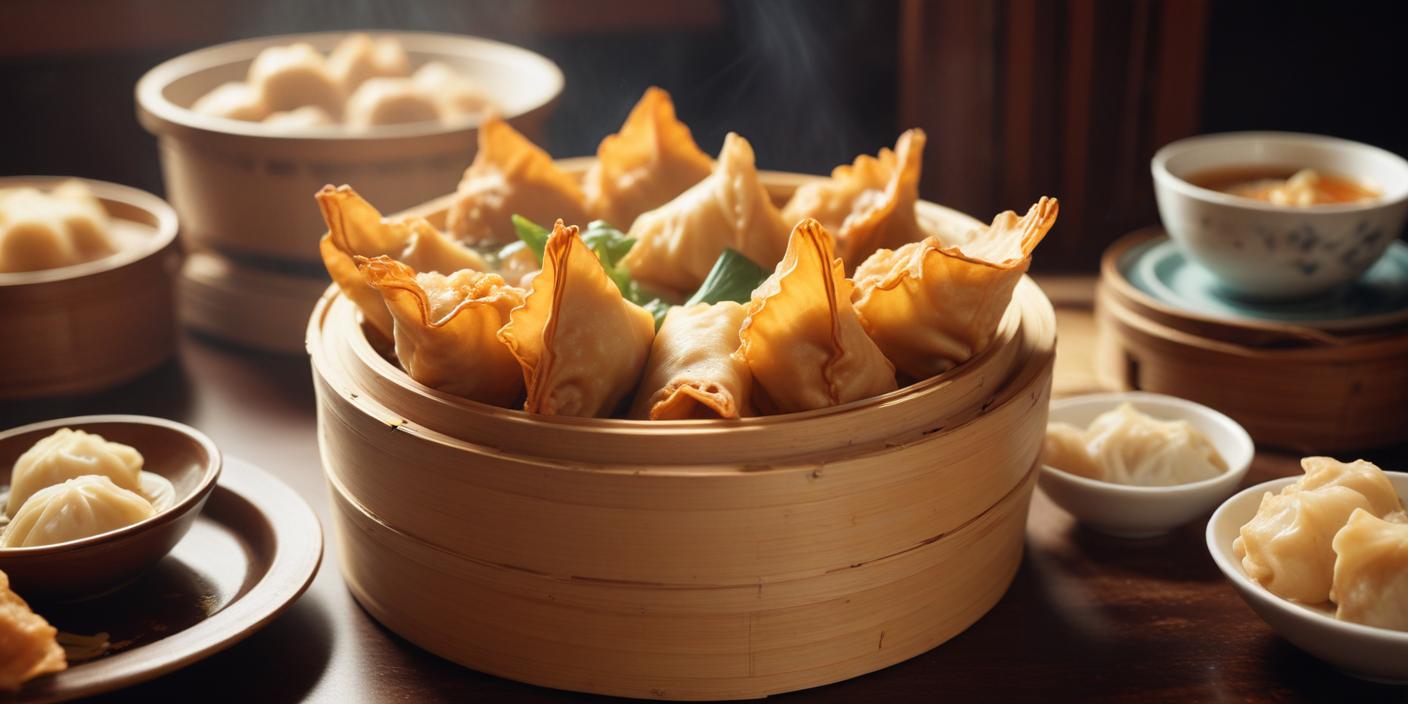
66	226
76	509
455	95
1125	446
359	57
292	76
302	118
233	101
390	101
1371	572
1065	450
1286	547
69	453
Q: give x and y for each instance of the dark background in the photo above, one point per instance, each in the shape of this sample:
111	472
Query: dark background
810	82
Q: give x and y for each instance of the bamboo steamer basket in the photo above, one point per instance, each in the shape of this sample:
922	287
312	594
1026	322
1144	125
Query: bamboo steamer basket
261	307
683	559
1291	386
91	326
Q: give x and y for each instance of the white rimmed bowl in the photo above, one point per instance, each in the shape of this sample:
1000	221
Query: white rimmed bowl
1278	252
1377	654
1146	511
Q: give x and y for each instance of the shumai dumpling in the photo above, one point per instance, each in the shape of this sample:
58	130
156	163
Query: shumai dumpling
29	646
868	204
1360	475
355	228
645	165
511	176
66	454
1371	572
931	306
1286	547
77	508
455	95
390	101
581	345
692	371
359	57
295	75
802	340
678	243
446	328
233	101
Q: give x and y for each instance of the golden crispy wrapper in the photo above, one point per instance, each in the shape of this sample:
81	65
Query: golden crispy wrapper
931	306
581	345
802	339
868	204
677	243
645	165
355	228
28	645
446	328
511	176
692	371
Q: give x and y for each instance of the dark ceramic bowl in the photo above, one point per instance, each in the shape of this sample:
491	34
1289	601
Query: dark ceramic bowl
101	563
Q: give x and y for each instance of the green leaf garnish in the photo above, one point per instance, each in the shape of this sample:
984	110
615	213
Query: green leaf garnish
733	278
533	235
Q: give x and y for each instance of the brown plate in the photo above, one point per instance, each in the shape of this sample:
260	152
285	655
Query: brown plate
251	553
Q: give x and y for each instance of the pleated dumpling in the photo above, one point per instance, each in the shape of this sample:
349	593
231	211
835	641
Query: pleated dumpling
1370	583
645	165
355	228
66	454
932	306
693	371
1360	475
77	508
580	344
677	243
1286	547
868	204
802	340
29	646
446	328
511	176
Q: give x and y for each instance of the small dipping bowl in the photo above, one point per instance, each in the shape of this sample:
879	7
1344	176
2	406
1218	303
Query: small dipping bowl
1263	251
1128	511
1366	652
101	563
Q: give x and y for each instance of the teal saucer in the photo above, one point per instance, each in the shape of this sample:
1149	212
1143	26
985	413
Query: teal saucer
1160	269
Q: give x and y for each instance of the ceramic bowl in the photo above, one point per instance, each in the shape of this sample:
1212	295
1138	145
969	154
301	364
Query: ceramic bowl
1146	511
1377	654
1265	251
98	564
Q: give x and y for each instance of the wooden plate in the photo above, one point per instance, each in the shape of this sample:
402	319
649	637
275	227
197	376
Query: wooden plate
252	552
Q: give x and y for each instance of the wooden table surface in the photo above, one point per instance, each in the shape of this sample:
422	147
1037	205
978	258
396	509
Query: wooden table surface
1087	618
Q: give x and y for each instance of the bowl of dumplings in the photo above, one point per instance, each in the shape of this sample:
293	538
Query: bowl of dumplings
1323	557
86	270
1138	465
88	503
645	418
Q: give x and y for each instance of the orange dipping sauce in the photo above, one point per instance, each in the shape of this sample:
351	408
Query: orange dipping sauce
1282	186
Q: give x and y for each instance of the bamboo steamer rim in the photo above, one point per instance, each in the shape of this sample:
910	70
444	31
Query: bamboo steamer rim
159	217
161	116
1263	333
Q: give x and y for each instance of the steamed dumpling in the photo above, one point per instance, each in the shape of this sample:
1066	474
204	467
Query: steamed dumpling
692	371
29	646
1360	475
868	204
293	76
802	340
65	226
1287	547
1125	446
299	118
645	165
233	101
69	453
355	228
678	243
581	345
1370	584
511	176
445	328
455	95
390	101
931	306
359	57
78	508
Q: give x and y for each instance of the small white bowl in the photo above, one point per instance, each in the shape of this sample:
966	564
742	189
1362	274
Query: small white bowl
1370	653
1146	511
1279	252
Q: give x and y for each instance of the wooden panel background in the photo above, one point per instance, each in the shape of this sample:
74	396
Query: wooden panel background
1023	98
